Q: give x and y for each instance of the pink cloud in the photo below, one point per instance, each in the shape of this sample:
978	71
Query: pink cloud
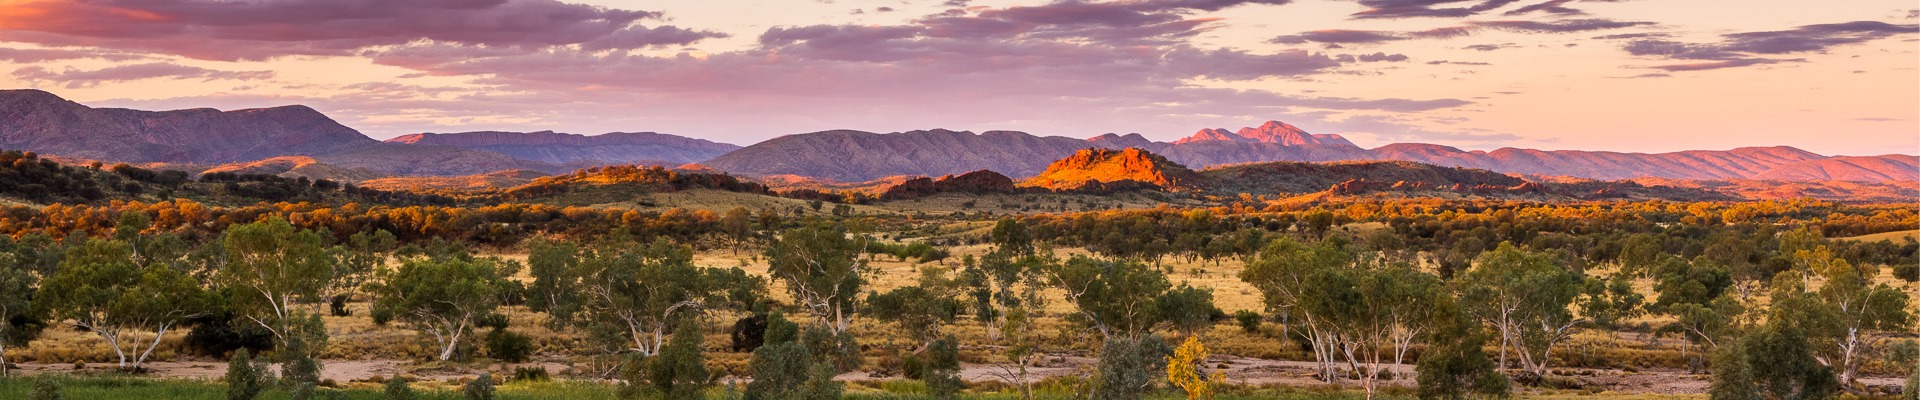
223	30
76	78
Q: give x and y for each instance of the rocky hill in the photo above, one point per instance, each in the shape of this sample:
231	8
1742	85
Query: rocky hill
976	182
573	149
1098	169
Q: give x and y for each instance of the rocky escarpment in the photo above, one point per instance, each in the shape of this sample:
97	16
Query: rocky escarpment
1102	168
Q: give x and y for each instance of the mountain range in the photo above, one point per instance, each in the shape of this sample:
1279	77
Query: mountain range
859	156
297	140
575	149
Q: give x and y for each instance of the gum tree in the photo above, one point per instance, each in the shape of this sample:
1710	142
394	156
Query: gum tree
823	270
275	265
17	288
1280	273
632	293
103	290
442	297
1526	295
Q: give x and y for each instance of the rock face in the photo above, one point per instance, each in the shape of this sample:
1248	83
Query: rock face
39	121
1098	167
581	150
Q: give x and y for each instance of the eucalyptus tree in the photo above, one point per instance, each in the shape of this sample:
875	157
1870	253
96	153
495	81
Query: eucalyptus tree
273	266
1115	298
1280	272
921	309
356	263
1528	295
1125	301
1698	295
631	295
442	296
822	268
1857	306
1006	277
18	284
1374	314
102	289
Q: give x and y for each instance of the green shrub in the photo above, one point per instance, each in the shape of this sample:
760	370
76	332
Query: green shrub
680	371
507	346
787	368
1912	390
912	368
480	389
245	379
46	388
531	374
1249	320
943	368
1128	366
397	389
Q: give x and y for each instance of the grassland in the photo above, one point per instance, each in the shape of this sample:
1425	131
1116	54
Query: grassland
1894	236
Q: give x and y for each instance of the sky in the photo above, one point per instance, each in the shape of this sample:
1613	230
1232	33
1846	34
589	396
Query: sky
1833	77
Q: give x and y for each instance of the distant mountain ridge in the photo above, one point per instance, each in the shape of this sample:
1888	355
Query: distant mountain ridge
1271	132
575	149
43	122
297	140
853	156
300	141
856	156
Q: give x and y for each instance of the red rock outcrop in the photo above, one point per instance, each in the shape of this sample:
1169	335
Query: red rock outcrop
1109	166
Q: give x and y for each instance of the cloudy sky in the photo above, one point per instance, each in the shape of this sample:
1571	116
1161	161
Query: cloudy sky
1834	77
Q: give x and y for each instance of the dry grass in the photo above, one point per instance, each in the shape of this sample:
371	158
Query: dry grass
1895	236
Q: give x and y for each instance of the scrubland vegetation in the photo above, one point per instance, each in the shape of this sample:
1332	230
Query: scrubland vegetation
1357	297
